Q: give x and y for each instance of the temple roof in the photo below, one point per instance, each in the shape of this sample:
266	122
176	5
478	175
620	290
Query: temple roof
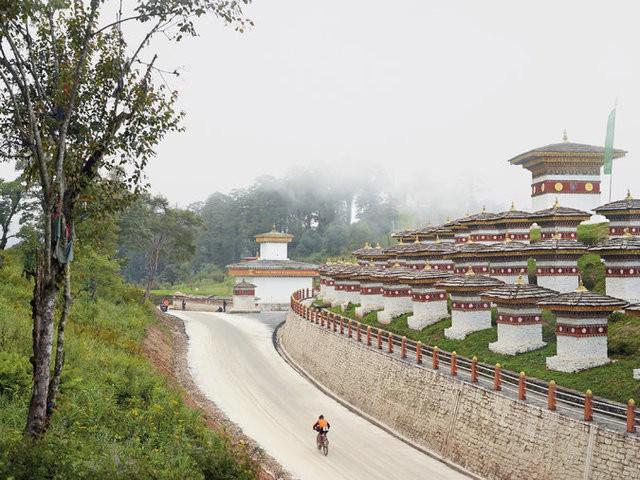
425	276
581	299
478	217
510	246
369	251
274	237
393	273
260	264
628	203
469	282
559	211
515	293
244	284
512	213
469	248
623	245
633	310
564	149
559	244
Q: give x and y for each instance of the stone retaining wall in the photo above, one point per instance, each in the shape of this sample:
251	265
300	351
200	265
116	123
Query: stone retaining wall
484	432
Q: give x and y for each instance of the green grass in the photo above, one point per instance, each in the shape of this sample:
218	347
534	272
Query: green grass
203	287
614	381
116	416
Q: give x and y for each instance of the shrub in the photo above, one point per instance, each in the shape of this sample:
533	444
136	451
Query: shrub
621	348
15	374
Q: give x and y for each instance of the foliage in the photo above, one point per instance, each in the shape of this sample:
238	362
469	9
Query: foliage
15	373
14	204
156	237
116	417
590	234
614	381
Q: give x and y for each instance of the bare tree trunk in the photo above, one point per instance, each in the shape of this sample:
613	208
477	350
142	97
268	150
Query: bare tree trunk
43	310
54	384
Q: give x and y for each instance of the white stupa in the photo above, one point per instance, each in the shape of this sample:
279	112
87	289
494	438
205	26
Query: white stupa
275	276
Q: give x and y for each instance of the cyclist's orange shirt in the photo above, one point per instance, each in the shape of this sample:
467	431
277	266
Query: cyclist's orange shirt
322	423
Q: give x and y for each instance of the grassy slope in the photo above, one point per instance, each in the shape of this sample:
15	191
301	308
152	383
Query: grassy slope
203	287
116	416
614	381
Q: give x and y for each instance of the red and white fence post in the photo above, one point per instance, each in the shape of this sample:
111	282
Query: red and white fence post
369	335
389	342
435	360
419	352
403	348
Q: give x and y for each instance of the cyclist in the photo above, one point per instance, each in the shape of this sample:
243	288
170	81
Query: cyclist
322	427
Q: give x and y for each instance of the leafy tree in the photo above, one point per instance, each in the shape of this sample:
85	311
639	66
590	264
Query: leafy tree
78	101
14	203
164	236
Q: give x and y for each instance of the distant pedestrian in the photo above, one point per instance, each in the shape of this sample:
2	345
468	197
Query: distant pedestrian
224	305
184	304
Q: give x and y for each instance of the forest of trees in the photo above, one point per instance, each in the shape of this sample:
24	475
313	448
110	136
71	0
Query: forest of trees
159	244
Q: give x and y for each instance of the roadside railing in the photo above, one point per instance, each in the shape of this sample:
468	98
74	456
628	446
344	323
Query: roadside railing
493	377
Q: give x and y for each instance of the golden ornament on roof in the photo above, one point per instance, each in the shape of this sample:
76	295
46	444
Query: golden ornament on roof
513	206
565	137
470	272
627	232
628	197
581	287
427	266
556	204
520	280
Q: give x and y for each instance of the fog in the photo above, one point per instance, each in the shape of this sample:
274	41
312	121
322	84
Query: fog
435	96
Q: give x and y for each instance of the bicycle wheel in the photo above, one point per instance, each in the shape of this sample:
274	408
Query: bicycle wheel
325	448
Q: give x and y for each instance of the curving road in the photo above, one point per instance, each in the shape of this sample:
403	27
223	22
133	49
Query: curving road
233	361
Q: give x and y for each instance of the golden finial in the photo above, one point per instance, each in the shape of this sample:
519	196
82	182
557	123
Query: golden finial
626	231
513	206
396	265
416	240
565	137
448	219
469	239
470	272
520	280
628	197
556	204
378	245
429	224
437	238
400	241
556	234
367	246
507	238
581	287
484	209
427	266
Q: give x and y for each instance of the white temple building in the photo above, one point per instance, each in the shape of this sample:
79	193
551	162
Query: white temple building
275	276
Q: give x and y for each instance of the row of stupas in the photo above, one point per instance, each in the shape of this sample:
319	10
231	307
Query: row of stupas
581	326
480	260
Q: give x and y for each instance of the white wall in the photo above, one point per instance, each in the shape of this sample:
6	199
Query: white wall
278	289
273	251
581	201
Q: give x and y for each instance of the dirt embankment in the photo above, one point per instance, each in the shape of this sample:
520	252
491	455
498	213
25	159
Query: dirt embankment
166	346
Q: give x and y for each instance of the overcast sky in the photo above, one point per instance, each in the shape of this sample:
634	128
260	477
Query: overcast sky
441	94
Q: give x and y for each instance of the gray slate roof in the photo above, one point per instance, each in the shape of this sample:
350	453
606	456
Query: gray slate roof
582	298
618	245
628	203
517	293
469	282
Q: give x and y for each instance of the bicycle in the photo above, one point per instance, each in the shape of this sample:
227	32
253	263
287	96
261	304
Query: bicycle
323	443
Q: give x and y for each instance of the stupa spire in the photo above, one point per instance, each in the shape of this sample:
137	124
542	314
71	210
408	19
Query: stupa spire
565	137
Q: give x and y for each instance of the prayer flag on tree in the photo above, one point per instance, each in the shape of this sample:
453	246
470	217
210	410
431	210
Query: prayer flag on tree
608	143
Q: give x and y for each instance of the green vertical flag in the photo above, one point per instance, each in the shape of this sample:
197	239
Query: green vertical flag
608	143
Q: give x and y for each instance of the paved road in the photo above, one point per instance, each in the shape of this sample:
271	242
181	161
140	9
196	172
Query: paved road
232	359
